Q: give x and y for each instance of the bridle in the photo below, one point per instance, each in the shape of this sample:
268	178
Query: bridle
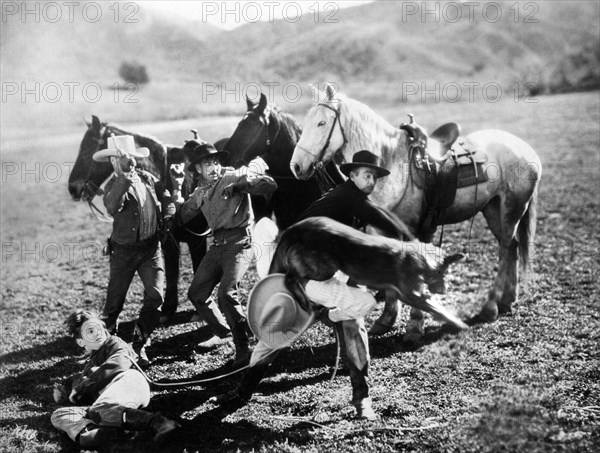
91	189
324	180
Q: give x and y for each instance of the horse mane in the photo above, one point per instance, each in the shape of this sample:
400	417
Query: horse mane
289	127
288	132
364	128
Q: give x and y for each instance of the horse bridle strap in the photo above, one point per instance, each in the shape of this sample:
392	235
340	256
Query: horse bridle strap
326	145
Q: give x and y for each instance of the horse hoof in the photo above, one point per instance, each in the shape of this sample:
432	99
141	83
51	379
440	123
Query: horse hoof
504	309
380	328
489	313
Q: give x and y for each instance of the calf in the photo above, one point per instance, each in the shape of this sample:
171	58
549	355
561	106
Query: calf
317	247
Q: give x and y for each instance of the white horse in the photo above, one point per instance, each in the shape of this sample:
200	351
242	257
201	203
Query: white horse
338	126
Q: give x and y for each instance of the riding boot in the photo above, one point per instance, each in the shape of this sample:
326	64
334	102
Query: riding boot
211	314
239	397
139	343
140	420
241	341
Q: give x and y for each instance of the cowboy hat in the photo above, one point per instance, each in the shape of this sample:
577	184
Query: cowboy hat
366	159
274	316
123	143
197	151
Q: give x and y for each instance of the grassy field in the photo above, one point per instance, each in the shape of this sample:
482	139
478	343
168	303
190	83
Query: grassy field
529	382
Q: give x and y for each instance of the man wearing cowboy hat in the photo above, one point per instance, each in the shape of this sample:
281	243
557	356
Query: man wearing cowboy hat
223	196
131	197
274	315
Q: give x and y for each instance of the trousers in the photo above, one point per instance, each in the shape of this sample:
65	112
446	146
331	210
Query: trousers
129	390
224	265
125	261
348	305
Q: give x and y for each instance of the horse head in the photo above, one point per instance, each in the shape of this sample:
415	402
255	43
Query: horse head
251	137
323	135
87	175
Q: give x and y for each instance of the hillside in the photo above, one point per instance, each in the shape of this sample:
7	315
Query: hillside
370	51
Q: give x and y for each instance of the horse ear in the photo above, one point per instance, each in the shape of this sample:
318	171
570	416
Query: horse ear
249	103
330	91
96	123
88	123
262	104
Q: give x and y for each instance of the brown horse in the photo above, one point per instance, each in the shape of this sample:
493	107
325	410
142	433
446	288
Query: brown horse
88	175
340	126
317	247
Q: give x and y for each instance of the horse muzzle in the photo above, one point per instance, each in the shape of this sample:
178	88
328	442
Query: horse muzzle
76	190
301	173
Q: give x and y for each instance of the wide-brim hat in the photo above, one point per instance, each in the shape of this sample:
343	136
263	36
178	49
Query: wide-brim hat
123	143
197	151
274	316
367	159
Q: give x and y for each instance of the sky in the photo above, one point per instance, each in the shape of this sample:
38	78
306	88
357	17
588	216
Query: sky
231	14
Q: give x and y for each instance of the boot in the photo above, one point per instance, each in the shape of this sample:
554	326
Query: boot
139	343
242	356
140	420
241	341
239	397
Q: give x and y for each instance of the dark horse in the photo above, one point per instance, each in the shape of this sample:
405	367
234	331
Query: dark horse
266	132
88	175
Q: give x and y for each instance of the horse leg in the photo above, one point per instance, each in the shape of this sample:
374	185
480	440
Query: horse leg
415	327
388	317
502	219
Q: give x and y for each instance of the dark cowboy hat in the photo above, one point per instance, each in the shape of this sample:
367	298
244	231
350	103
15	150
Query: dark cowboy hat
367	159
198	151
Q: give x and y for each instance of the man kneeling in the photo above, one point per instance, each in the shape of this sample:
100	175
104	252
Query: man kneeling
108	393
277	320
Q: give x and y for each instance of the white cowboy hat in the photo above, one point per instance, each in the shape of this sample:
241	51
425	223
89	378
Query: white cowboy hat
123	143
274	316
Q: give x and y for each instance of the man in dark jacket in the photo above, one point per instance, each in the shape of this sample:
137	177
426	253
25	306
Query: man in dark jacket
132	198
108	393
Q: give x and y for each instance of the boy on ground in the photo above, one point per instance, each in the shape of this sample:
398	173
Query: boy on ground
109	393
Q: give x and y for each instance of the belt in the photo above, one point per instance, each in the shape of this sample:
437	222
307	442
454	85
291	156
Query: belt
144	243
228	235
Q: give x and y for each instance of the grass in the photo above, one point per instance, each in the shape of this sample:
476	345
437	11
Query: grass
529	382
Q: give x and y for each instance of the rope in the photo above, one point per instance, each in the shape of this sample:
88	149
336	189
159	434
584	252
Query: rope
185	383
346	431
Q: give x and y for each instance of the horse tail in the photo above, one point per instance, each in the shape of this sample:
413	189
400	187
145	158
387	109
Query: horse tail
526	232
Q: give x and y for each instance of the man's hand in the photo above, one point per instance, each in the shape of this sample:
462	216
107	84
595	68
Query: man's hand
236	187
59	392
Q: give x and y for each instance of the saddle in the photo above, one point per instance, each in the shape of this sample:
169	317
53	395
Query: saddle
440	164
